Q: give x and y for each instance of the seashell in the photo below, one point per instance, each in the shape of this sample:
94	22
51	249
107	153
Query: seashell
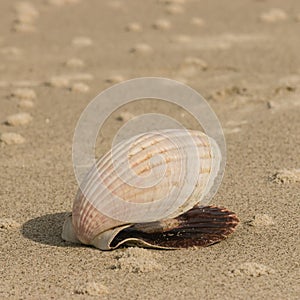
150	191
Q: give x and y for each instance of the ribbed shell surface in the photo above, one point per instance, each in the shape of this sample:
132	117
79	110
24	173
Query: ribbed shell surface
150	177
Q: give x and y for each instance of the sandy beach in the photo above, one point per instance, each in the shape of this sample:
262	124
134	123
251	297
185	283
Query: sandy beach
241	56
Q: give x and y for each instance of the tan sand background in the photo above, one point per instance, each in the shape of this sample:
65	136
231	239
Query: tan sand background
243	56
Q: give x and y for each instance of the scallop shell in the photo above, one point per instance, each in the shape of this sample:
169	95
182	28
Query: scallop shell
147	187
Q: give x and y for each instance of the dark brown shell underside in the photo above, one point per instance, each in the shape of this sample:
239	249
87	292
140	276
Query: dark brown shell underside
200	227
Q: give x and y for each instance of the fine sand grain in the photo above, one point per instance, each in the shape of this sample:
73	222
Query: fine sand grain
242	56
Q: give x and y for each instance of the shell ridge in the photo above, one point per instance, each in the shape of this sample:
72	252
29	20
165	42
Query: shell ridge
95	196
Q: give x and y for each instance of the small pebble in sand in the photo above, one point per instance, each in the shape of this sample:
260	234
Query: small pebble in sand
26	104
162	24
22	27
137	260
19	119
59	81
286	176
274	15
7	223
65	80
11	138
82	41
91	288
11	51
25	19
80	87
251	269
182	39
261	220
74	63
125	116
28	94
26	8
134	27
174	9
142	49
26	16
197	22
115	79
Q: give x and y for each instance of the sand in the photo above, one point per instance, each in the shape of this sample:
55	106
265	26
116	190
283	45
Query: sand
61	54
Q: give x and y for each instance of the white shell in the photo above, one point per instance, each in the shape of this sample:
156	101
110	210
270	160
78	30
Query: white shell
154	176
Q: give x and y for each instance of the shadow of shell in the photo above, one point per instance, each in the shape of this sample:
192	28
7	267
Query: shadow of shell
47	230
